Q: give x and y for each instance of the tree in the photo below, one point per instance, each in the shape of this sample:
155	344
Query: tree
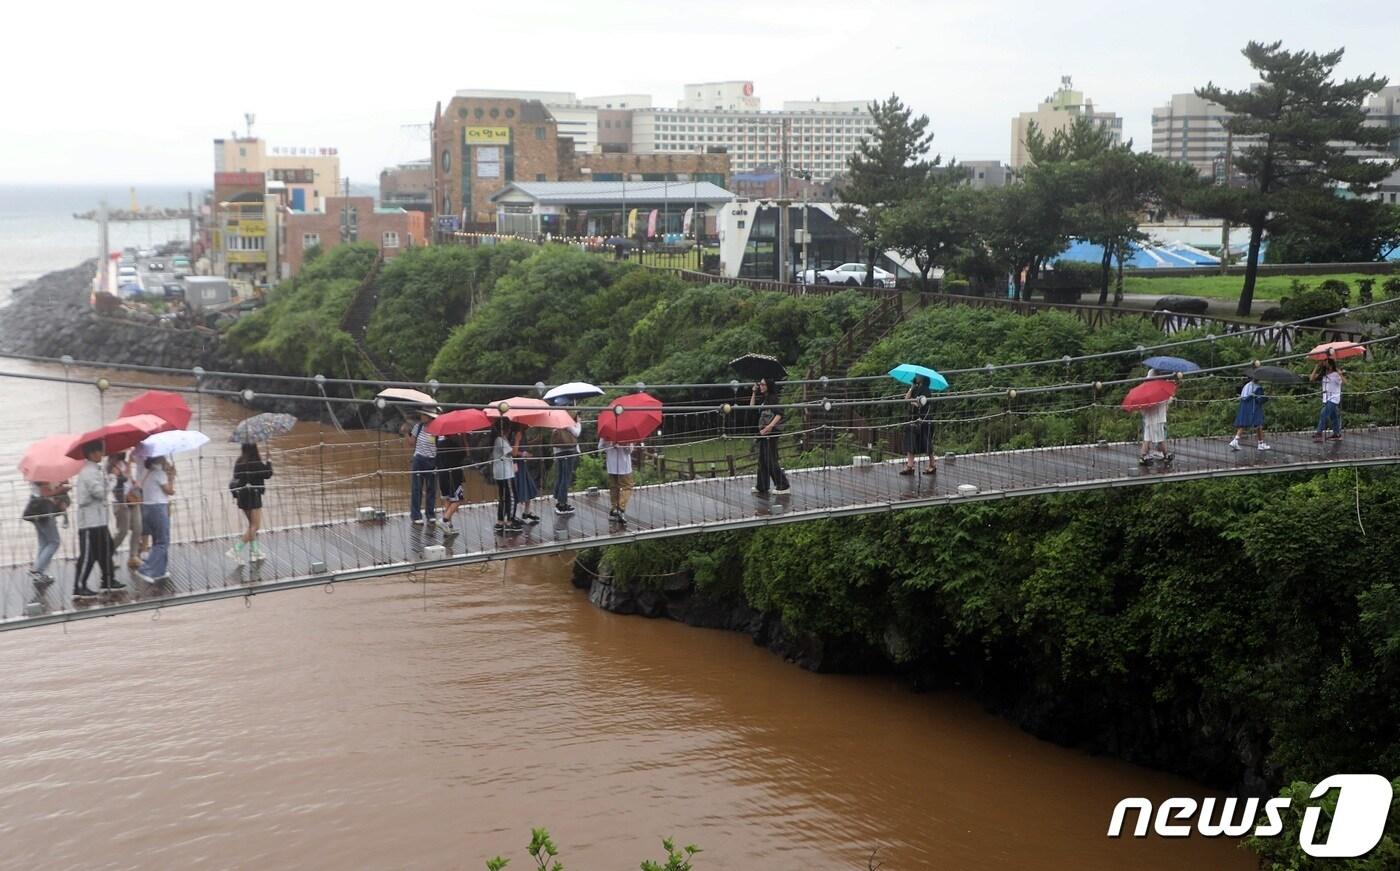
933	227
1335	229
884	170
1116	188
1302	129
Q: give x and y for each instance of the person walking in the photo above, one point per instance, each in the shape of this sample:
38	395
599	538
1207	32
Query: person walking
618	460
503	473
770	470
157	486
250	474
423	469
1251	415
1332	378
525	488
126	506
94	535
451	467
47	502
918	433
565	463
1154	434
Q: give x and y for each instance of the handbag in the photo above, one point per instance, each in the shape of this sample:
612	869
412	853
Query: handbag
39	507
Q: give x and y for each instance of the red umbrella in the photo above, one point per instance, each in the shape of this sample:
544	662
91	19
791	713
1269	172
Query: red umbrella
46	460
120	434
630	418
1337	351
169	407
460	421
1148	394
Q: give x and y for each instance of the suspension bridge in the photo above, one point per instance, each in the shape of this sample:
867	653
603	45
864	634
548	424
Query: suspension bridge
335	510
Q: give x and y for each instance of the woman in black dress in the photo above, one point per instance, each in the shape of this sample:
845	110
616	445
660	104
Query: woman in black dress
250	476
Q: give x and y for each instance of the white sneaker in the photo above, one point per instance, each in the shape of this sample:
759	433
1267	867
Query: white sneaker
1264	446
234	552
1234	444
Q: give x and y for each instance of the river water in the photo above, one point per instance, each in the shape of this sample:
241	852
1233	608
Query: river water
430	722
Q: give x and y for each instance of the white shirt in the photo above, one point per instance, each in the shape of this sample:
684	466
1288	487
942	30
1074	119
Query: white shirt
619	457
1332	387
151	484
1250	388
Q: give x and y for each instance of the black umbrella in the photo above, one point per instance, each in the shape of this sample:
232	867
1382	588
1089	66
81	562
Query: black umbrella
756	367
1275	375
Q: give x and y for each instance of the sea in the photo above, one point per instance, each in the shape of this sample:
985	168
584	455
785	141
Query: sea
38	233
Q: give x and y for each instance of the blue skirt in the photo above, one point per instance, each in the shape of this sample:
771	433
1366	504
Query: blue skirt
1251	413
525	488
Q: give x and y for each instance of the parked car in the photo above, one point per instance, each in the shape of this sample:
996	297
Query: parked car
126	272
850	274
173	291
155	266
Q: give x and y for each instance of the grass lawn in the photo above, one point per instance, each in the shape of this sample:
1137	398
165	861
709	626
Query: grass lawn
1228	286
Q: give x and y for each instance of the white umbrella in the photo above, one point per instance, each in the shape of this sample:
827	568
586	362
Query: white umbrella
404	394
174	441
572	390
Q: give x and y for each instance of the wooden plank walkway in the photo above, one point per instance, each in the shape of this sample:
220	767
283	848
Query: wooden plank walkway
343	549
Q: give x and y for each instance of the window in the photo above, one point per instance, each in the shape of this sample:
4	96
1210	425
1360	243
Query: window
478	112
539	176
242	152
510	113
539	132
391	239
495	113
310	240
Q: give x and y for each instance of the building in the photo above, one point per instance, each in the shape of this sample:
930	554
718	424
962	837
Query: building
651	209
748	241
310	174
482	144
407	186
734	96
246	235
351	219
1058	112
1383	110
821	135
986	173
1191	130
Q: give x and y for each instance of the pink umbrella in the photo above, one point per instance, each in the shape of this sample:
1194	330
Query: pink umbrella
532	412
46	460
1337	351
169	407
462	420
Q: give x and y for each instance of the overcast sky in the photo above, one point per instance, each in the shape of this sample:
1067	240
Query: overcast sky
133	93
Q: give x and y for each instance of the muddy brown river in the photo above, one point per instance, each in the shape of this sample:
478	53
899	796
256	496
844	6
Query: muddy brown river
429	722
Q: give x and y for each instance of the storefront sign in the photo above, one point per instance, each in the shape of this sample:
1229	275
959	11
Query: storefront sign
488	135
246	256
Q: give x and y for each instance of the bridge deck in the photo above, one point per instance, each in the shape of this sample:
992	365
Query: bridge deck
350	549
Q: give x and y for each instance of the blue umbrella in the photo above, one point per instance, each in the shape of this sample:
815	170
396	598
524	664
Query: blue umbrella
1170	364
904	373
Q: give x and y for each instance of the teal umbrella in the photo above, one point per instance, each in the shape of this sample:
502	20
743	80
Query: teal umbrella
904	373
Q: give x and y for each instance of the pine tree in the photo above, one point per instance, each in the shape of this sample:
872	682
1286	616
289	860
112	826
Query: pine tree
886	168
1302	130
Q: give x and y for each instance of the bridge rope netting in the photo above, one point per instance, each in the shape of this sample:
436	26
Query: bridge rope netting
336	507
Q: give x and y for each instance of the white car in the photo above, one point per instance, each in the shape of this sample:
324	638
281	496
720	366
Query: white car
850	274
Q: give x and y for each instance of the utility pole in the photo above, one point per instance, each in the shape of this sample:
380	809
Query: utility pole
104	259
784	230
1225	222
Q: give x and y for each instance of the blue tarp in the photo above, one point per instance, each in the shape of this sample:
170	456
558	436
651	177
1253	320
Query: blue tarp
1149	257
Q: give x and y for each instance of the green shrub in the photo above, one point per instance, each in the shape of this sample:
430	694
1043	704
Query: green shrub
1339	287
1392	287
1306	302
1365	290
957	286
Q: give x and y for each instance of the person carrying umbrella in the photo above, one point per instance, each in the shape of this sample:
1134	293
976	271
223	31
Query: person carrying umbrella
618	460
918	434
765	395
1332	378
250	474
565	462
157	486
503	473
94	536
126	499
422	469
451	466
47	502
1250	415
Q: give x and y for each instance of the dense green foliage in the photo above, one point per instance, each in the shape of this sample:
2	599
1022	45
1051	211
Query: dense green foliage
1304	301
299	331
544	854
564	315
1283	853
425	292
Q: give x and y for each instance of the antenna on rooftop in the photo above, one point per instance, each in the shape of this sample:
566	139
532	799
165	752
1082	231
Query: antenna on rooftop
248	118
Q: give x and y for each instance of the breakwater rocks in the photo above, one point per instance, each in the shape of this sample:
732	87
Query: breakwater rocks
51	316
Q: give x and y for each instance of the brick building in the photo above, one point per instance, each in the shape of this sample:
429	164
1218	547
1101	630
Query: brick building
351	219
407	186
481	144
